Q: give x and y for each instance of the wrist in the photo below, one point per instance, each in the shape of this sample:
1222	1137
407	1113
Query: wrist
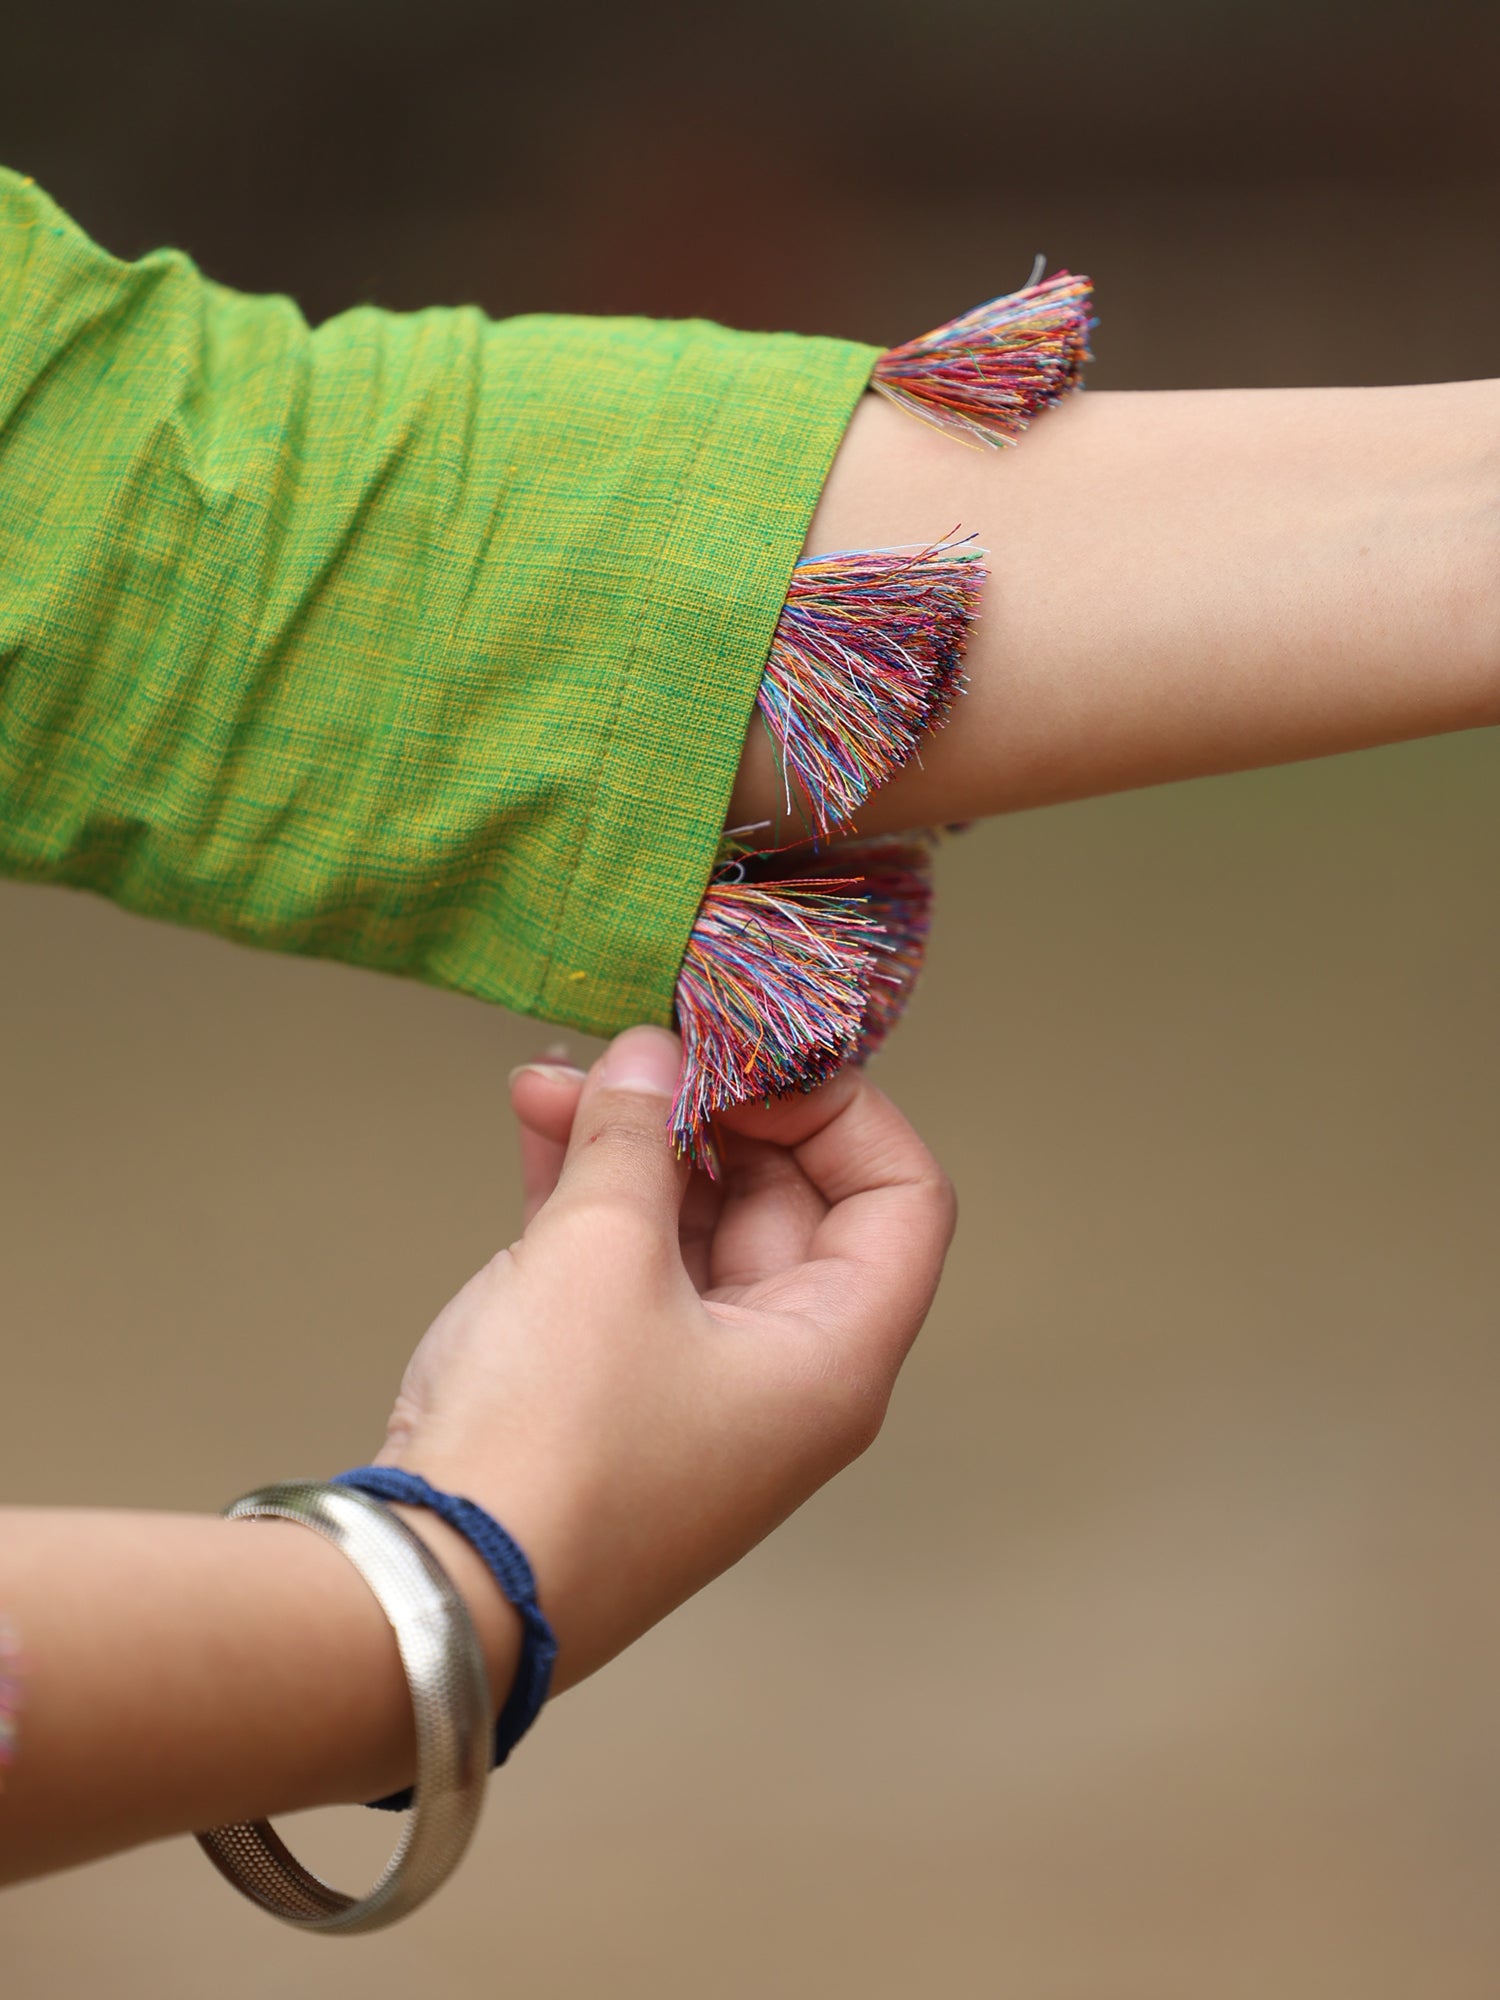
554	1521
496	1623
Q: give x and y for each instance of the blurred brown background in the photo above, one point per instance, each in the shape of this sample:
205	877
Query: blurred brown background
1155	1651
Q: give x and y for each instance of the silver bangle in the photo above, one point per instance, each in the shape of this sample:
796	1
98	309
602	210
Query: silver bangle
450	1700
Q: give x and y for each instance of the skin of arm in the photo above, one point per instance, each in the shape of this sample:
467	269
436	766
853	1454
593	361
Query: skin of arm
183	1671
1187	583
654	1375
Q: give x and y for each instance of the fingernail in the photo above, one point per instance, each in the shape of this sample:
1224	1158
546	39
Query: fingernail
552	1072
645	1059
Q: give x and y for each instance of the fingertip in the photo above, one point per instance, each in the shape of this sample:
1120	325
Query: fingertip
647	1059
848	1136
620	1146
549	1071
787	1121
544	1097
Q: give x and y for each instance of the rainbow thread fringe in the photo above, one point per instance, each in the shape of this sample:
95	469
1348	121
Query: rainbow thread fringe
799	964
770	998
983	377
788	977
896	885
867	654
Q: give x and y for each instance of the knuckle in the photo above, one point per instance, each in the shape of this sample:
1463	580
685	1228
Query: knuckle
855	1404
863	1419
932	1198
943	1198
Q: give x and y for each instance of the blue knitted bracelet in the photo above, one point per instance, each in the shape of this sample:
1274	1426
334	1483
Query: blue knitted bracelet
510	1569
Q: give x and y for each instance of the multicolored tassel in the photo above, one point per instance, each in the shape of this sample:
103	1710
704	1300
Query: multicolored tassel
787	977
795	967
983	377
867	654
896	887
770	996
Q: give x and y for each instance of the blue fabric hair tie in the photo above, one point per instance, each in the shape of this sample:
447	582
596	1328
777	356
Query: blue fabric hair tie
510	1569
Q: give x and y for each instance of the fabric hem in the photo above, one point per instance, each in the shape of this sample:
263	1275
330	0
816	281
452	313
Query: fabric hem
686	692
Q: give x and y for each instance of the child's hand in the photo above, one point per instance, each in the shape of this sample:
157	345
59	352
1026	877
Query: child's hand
662	1368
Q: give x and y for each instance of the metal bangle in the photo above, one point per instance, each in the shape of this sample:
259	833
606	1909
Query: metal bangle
450	1700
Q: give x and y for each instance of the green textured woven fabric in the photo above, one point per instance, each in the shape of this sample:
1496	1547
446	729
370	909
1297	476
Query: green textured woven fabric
421	640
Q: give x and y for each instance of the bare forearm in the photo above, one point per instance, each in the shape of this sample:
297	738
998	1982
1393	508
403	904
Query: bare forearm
182	1672
1189	583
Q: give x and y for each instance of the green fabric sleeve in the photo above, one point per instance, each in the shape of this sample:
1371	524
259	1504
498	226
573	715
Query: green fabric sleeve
421	640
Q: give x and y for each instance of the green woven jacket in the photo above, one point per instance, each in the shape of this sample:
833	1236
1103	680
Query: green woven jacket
420	640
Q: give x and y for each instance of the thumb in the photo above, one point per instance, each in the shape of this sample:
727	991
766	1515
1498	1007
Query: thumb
619	1153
